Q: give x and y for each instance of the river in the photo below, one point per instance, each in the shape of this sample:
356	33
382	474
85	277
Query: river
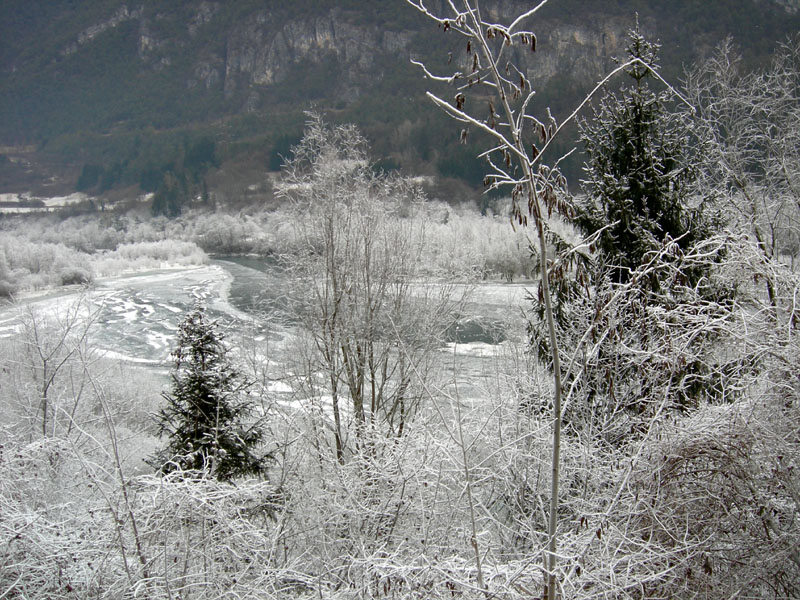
137	316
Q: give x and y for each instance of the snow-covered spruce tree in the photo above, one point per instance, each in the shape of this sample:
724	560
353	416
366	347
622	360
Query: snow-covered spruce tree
206	418
638	172
637	325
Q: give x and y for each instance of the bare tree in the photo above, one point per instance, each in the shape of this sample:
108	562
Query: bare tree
361	300
750	124
52	344
492	96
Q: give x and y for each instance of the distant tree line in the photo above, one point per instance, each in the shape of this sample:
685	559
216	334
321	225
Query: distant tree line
173	182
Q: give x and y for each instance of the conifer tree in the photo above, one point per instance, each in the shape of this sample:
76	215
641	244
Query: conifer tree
638	171
625	313
207	411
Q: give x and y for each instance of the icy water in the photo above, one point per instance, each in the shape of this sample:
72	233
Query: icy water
138	316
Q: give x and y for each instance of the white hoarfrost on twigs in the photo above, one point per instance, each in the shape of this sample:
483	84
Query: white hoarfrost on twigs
676	473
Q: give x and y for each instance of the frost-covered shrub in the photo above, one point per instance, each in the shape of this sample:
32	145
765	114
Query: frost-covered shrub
149	255
165	250
75	276
31	264
227	234
7	288
723	485
7	284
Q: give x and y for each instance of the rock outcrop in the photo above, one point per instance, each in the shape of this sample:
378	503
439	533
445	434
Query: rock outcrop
265	47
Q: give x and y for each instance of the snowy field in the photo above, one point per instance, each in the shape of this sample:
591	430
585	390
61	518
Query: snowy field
27	203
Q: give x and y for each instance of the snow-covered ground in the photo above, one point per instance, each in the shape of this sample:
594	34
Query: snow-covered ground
26	202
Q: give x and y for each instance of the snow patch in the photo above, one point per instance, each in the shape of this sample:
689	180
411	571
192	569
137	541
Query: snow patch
60	201
131	359
10	203
279	387
476	349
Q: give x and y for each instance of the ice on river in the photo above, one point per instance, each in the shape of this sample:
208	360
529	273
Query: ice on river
137	317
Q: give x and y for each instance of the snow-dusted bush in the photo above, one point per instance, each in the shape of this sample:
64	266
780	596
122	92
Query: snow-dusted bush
75	276
148	255
227	234
34	265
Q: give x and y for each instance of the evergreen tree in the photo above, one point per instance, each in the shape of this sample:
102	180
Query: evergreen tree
625	314
171	194
638	172
206	415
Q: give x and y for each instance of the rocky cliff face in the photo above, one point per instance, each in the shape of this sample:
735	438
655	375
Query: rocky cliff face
124	83
265	47
264	50
120	15
243	54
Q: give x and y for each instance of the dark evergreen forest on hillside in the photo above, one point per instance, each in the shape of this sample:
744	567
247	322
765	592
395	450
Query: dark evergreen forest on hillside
132	99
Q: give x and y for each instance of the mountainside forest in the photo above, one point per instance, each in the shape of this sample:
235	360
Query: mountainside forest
104	95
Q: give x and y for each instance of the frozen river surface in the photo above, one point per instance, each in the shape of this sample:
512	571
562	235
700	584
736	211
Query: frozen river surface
138	315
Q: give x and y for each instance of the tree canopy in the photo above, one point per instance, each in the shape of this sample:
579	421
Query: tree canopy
639	170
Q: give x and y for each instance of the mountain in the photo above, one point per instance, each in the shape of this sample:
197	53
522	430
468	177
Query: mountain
104	94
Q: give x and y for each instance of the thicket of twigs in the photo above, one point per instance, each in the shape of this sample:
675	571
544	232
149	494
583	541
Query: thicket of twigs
700	504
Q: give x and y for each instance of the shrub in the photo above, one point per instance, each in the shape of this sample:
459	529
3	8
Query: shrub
75	276
207	410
